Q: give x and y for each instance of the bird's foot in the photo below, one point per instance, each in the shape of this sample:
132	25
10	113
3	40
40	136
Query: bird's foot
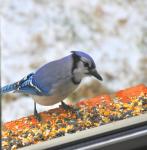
37	116
74	109
67	107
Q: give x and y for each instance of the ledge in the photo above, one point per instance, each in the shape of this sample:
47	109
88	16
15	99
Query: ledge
99	115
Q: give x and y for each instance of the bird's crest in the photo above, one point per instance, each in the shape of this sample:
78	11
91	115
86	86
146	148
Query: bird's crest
82	55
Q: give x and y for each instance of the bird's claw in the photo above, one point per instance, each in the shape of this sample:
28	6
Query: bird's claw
38	117
67	107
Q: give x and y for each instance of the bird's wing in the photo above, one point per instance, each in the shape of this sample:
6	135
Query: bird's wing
52	73
27	86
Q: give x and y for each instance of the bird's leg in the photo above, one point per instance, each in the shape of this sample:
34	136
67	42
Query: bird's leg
70	108
66	107
37	116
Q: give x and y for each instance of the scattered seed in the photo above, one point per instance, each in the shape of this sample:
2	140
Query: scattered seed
57	125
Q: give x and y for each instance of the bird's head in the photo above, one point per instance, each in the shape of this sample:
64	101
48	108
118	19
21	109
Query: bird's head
83	65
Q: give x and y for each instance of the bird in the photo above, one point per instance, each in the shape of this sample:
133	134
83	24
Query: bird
54	81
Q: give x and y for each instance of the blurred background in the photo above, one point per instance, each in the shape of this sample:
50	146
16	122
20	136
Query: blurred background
34	32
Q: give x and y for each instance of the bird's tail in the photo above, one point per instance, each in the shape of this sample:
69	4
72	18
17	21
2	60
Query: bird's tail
9	88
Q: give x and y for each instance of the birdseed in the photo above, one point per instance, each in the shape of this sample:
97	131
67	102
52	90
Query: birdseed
57	122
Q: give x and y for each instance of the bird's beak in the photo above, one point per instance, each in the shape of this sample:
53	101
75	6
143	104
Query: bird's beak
95	74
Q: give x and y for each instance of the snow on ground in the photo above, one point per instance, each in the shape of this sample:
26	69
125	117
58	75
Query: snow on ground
34	32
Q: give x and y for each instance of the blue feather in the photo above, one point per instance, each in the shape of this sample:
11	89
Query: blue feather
50	74
9	88
45	79
25	85
82	54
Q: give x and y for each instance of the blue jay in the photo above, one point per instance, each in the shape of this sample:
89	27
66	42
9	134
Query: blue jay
54	81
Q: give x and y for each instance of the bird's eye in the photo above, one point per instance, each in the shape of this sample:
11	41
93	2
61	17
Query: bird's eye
86	64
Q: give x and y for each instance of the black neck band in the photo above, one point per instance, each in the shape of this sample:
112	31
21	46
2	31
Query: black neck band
75	59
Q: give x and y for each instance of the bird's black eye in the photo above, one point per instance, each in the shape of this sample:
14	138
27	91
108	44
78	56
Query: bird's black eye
86	64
